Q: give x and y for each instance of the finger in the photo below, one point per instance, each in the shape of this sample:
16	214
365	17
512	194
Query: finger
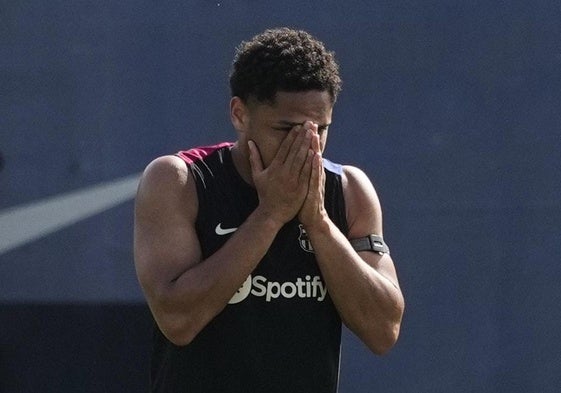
285	146
254	158
306	171
310	125
299	151
316	177
315	143
296	133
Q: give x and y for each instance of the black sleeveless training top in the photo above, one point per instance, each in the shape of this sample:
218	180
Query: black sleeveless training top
280	332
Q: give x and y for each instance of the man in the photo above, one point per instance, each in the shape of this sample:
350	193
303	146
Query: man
251	253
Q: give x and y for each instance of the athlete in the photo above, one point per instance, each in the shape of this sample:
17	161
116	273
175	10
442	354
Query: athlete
251	254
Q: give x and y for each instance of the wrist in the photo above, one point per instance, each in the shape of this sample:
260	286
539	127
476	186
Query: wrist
267	220
320	224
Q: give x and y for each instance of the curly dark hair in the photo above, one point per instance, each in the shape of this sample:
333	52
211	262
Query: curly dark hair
285	60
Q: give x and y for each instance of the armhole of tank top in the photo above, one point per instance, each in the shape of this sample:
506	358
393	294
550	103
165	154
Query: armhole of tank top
191	173
339	180
342	179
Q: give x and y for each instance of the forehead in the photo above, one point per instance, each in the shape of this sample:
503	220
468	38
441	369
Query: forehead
298	107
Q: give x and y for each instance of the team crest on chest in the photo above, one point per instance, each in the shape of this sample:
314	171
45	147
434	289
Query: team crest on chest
304	240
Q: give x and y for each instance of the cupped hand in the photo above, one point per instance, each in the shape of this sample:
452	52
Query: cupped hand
313	209
282	187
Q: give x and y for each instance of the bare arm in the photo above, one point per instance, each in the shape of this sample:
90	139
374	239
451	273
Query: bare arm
183	291
364	285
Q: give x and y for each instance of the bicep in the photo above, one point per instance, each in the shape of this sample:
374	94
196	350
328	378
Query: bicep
364	212
364	216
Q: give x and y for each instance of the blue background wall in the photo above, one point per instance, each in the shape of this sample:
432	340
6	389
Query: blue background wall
452	108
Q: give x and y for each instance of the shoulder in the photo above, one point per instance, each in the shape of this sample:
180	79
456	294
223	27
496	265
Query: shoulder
165	170
355	175
364	213
356	182
165	183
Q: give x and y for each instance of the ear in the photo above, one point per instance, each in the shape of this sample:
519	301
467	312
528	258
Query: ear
239	113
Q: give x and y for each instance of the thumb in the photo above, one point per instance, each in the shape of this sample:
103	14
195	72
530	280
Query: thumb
254	158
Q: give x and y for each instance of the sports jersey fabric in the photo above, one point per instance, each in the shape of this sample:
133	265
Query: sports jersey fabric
280	332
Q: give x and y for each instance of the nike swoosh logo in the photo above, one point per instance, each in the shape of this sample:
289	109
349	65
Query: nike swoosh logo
224	231
23	224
